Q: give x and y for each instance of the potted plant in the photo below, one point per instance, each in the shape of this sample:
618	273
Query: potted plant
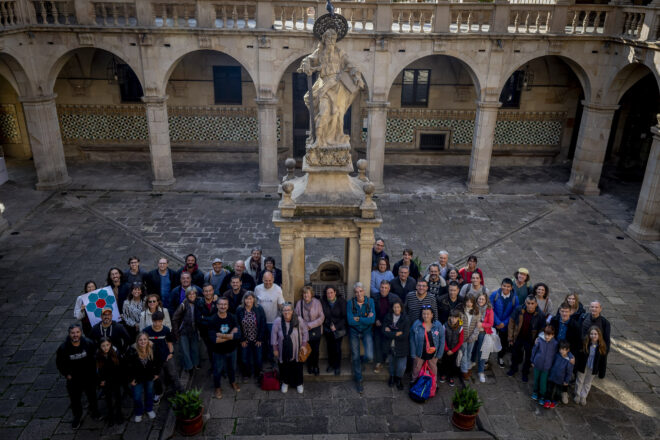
466	405
187	406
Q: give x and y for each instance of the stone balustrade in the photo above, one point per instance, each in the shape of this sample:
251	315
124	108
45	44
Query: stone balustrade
406	17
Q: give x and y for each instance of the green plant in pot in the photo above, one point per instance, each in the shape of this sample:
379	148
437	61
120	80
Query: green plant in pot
466	404
187	406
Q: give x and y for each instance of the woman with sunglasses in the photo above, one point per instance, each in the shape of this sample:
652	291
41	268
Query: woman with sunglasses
154	304
427	342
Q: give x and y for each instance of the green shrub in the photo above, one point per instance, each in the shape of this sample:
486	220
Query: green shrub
466	401
187	404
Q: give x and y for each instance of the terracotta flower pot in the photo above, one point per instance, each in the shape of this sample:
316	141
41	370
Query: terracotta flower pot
191	426
464	422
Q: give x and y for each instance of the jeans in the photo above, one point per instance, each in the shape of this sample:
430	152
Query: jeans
252	359
476	353
540	382
223	361
75	387
356	359
189	346
141	389
467	353
397	365
504	340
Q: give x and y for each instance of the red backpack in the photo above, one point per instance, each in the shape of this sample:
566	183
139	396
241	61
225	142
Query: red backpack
269	381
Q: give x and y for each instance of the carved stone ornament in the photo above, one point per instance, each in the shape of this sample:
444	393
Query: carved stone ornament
330	21
331	156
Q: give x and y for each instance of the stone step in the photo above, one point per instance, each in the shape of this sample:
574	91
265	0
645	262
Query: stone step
446	435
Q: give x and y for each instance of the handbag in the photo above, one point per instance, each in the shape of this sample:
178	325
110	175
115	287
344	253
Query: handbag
427	348
304	351
269	381
314	334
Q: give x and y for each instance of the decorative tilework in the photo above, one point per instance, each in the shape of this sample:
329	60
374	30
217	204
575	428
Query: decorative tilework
528	132
10	132
103	124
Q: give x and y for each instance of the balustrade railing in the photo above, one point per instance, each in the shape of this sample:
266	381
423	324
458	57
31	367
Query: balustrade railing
298	15
115	14
413	19
360	16
470	18
8	15
175	15
54	12
236	15
529	21
632	23
586	19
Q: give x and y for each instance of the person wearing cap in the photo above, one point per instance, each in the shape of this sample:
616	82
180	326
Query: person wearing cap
162	339
217	276
521	287
255	263
75	361
114	331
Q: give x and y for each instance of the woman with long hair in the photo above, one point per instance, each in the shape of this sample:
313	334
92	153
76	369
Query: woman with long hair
590	361
142	368
79	311
109	371
470	318
542	294
334	327
184	328
252	320
132	310
485	326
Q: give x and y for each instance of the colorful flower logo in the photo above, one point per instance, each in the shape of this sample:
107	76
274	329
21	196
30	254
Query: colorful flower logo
98	301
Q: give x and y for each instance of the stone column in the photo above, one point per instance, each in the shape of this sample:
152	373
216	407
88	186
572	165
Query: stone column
159	141
286	245
646	224
366	245
46	141
482	146
267	111
591	146
352	262
376	127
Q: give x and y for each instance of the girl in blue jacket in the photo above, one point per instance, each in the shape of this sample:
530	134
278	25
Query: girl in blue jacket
543	354
427	342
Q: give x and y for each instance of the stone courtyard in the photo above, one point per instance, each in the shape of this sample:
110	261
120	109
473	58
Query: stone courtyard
58	240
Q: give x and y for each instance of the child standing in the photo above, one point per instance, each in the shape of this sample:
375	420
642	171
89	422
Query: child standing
560	375
110	379
591	360
470	317
543	354
453	343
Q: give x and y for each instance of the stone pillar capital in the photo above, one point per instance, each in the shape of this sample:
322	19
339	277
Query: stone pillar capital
599	108
154	100
266	102
41	99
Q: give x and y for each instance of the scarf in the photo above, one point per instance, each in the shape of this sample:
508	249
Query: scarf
287	343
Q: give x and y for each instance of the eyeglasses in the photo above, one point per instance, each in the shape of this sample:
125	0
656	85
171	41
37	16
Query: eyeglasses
152	301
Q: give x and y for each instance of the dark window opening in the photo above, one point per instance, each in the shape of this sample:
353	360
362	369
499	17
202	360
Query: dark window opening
510	96
432	141
415	87
129	84
227	85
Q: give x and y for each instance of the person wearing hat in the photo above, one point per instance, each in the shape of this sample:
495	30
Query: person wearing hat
521	287
218	277
114	331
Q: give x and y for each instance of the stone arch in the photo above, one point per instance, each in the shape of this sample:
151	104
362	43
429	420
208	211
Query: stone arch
253	74
623	79
14	72
465	61
579	71
62	59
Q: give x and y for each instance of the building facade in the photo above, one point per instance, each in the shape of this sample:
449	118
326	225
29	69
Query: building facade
517	82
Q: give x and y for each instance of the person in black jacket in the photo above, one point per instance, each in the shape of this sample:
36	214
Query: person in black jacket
269	264
75	361
407	261
142	366
594	318
334	327
120	288
252	323
110	376
524	326
403	284
114	331
191	267
205	310
591	361
567	327
396	327
161	280
383	303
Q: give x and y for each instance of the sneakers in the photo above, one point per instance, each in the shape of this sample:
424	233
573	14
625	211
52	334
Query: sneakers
548	405
577	399
442	379
564	397
535	396
451	382
360	387
151	415
390	382
500	362
236	387
525	379
377	368
284	388
399	383
472	364
218	393
482	378
137	419
542	401
511	372
75	424
552	405
300	389
583	401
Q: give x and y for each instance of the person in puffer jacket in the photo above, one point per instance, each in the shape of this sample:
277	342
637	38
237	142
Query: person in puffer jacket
560	375
543	354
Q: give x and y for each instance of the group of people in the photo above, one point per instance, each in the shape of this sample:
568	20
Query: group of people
442	321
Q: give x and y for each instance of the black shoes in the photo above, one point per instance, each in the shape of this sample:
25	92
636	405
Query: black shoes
391	381
75	424
399	384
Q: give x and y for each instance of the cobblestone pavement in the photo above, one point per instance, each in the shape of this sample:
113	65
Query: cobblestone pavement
58	240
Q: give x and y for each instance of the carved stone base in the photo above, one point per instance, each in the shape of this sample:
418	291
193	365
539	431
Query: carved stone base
330	158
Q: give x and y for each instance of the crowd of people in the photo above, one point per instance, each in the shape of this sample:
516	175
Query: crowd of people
442	321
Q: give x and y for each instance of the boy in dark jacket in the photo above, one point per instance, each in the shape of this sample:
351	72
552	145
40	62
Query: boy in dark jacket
524	326
543	354
560	375
75	361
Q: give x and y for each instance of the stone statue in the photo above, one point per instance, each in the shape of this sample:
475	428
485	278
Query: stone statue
338	83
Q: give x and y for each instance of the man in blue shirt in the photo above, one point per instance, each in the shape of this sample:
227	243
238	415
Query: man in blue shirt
161	280
361	317
504	303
